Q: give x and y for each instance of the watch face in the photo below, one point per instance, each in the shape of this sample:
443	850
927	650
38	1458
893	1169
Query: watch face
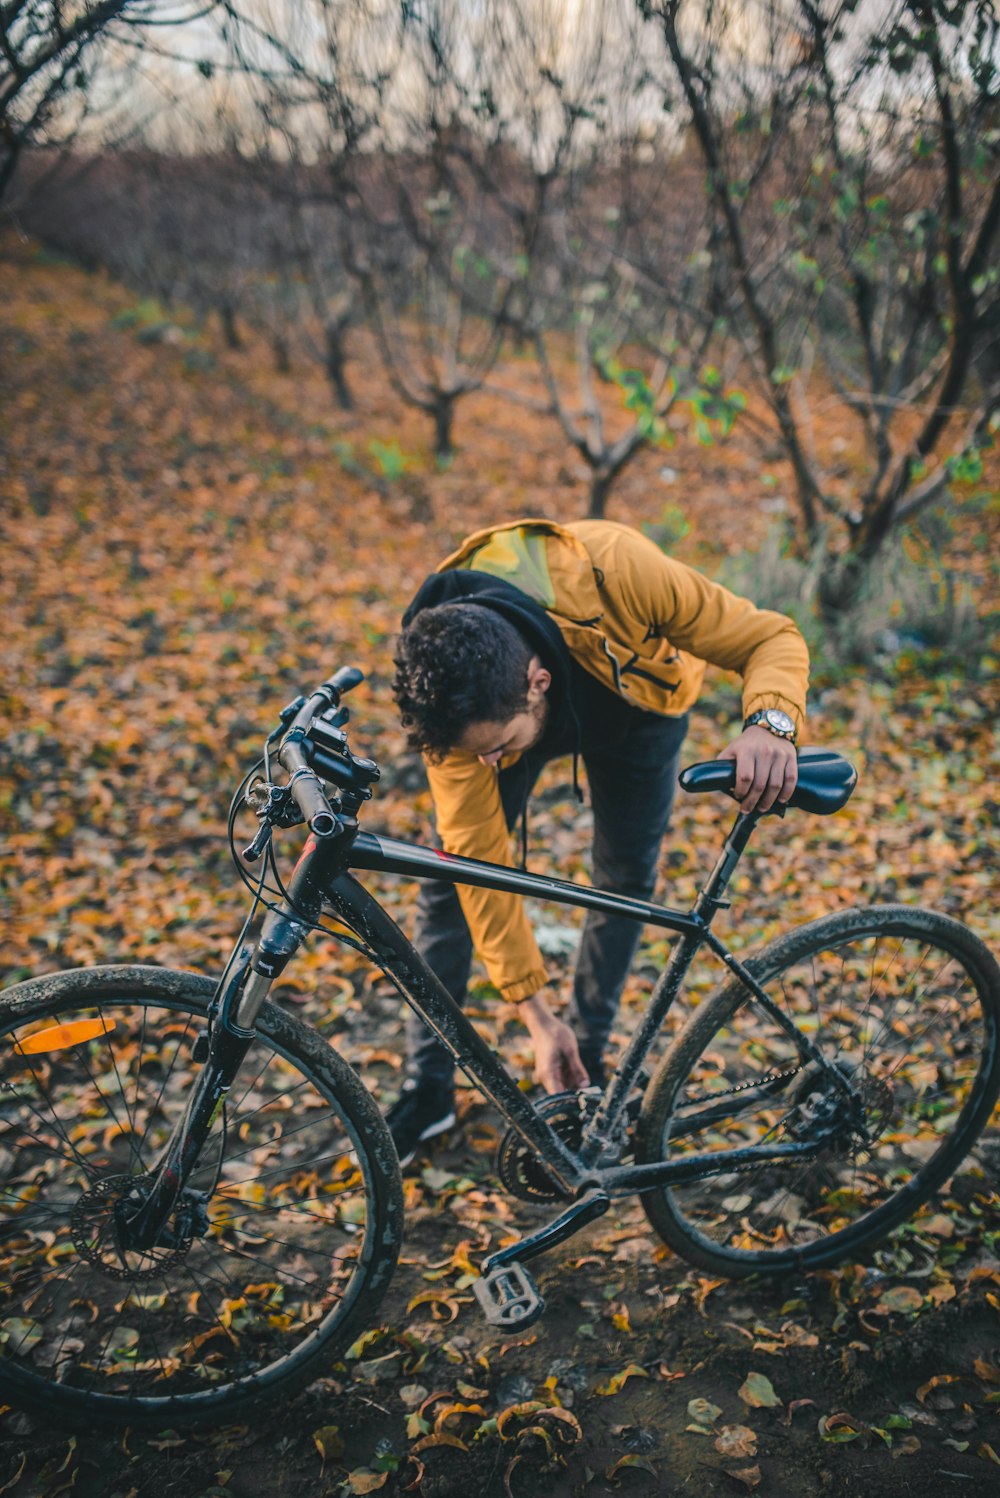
779	720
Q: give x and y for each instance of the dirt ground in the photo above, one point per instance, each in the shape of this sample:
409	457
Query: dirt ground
183	507
915	1394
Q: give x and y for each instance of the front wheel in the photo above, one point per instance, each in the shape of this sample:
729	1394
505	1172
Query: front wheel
903	1004
294	1213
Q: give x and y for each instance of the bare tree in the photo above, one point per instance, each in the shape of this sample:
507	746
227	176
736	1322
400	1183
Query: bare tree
48	54
852	174
617	311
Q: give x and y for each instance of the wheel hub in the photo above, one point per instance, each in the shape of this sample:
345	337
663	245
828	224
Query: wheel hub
826	1114
96	1234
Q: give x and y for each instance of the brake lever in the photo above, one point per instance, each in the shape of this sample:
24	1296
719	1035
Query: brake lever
259	844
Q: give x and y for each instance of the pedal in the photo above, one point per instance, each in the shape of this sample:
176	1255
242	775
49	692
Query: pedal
508	1297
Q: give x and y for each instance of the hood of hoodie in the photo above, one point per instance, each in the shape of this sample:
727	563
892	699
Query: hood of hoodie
528	617
537	627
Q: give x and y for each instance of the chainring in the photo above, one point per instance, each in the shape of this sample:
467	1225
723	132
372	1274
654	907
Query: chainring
522	1173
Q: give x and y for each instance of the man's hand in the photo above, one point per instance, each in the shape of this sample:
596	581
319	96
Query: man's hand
557	1056
766	768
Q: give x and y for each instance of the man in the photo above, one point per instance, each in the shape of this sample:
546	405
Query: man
536	640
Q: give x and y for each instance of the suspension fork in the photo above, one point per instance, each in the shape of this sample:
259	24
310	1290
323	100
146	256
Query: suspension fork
225	1046
232	1030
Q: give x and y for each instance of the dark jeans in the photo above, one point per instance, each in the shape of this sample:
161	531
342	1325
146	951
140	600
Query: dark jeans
632	784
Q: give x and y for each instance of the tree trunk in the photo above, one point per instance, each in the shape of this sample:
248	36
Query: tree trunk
335	365
279	346
230	330
600	487
443	413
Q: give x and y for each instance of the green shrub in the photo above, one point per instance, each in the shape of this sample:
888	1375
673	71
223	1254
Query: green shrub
672	527
914	610
389	458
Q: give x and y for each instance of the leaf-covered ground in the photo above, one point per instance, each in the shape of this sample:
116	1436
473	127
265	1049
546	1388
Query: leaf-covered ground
189	538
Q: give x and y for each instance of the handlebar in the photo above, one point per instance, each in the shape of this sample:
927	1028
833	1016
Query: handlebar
304	784
344	680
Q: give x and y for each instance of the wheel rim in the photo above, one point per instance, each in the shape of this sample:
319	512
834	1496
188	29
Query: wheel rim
902	1019
288	1208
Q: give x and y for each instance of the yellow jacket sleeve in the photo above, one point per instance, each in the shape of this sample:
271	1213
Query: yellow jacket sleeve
471	822
706	620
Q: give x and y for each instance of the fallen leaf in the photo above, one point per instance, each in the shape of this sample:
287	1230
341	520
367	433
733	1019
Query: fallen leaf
703	1411
704	1290
939	1226
630	1463
935	1383
362	1480
840	1427
418	1477
618	1381
794	1407
412	1394
469	1391
440	1438
443	1307
17	1475
736	1440
328	1441
748	1476
903	1298
758	1391
455	1411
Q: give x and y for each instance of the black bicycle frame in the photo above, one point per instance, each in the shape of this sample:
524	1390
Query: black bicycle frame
322	874
435	1006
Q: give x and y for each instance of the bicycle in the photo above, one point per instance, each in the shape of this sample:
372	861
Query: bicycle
203	1204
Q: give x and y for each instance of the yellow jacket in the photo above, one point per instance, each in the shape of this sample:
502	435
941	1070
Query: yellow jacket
644	625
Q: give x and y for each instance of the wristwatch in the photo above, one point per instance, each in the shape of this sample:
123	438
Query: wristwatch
775	721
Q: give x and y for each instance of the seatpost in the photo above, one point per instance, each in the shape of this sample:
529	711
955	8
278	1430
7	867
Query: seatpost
710	896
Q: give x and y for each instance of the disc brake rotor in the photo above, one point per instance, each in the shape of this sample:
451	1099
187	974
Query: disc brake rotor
95	1233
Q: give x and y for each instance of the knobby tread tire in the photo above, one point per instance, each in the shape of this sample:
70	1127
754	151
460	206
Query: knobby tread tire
35	998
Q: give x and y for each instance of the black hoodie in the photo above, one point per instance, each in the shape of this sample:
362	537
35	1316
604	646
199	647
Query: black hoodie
584	714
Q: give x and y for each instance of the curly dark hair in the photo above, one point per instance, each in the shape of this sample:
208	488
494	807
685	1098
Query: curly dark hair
458	664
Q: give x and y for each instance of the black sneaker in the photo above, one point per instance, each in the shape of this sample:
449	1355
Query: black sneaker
424	1110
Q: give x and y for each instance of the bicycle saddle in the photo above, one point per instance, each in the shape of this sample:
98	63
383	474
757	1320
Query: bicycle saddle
826	780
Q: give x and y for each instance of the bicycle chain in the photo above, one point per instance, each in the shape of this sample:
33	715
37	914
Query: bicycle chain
793	1163
765	1081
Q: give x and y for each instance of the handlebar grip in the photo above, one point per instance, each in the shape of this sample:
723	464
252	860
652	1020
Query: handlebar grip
310	798
344	680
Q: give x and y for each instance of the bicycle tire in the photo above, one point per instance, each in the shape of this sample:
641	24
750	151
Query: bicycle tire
304	1207
906	1003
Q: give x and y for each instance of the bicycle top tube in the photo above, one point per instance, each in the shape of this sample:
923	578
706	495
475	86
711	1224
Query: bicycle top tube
388	855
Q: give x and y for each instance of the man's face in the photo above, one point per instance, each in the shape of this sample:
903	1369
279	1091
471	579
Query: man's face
491	741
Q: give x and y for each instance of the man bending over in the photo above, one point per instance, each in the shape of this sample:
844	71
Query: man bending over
536	640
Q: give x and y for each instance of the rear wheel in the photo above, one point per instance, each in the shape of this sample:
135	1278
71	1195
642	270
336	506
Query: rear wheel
293	1212
904	1005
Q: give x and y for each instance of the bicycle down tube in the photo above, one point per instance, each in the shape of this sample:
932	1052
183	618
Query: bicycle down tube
435	1006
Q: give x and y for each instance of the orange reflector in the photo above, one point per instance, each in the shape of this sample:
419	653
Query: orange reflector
61	1037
